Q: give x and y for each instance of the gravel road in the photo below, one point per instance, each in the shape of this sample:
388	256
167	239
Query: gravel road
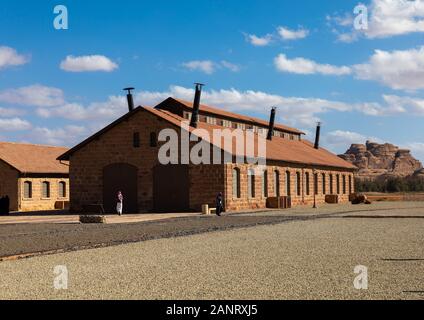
309	259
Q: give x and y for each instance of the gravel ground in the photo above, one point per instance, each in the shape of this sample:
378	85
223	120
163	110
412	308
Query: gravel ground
311	259
22	239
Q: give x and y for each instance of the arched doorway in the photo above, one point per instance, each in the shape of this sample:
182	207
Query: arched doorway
120	177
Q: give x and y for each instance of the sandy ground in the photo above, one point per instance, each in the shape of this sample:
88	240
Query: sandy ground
311	259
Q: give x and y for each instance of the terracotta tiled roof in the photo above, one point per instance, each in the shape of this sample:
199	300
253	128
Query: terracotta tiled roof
30	158
239	117
278	149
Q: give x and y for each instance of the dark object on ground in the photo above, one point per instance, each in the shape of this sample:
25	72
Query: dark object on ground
92	219
93	209
332	198
278	202
4	206
358	198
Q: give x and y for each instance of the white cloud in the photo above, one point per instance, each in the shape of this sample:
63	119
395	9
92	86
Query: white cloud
14	124
259	41
67	136
401	70
10	112
209	67
288	34
305	66
386	18
34	95
230	66
9	57
205	66
88	64
340	138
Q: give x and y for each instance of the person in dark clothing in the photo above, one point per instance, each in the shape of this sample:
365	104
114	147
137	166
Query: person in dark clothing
2	206
219	204
7	205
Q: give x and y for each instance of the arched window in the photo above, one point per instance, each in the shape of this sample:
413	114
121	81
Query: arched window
27	189
46	189
277	183
338	183
251	183
344	184
265	183
350	184
307	184
288	183
298	184
324	191
62	189
236	183
316	183
331	184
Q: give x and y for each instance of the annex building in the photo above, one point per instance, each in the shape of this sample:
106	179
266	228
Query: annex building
124	157
32	178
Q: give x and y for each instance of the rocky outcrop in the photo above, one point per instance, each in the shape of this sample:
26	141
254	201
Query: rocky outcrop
382	161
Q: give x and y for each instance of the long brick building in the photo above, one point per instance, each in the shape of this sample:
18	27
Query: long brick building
32	178
124	156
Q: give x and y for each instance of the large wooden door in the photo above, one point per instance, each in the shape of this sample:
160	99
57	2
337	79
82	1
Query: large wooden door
120	177
171	188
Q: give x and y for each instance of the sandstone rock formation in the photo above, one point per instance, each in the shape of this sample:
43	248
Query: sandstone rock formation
377	161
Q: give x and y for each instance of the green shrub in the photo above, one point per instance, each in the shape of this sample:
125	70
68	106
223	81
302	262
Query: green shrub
390	185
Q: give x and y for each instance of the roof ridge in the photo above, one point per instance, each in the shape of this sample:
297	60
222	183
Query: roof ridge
32	144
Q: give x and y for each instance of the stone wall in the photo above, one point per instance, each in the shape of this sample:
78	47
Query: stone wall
38	202
233	203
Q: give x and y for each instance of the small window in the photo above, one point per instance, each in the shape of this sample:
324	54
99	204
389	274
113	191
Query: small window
350	184
324	191
298	184
288	183
27	189
153	139
277	183
265	183
62	189
136	140
307	186
46	189
236	183
331	184
316	183
344	184
251	183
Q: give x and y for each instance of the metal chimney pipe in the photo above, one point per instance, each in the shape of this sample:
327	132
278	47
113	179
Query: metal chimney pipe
196	105
271	123
130	99
317	135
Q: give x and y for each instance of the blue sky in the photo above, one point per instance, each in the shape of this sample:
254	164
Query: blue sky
306	57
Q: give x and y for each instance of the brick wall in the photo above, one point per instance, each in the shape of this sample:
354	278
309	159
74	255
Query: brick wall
233	203
38	202
9	184
116	146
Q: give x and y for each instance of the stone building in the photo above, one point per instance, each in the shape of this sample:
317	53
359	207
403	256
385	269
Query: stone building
124	157
32	177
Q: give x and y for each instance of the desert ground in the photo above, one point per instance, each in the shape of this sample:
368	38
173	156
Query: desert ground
301	253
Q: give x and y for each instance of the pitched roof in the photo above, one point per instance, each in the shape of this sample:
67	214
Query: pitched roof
278	149
31	158
236	116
